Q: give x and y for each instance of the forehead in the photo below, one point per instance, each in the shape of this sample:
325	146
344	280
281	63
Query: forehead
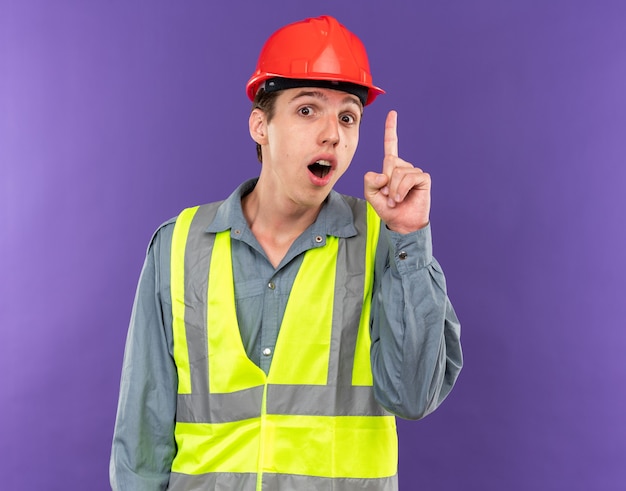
330	96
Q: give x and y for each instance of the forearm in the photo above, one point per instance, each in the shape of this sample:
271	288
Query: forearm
416	352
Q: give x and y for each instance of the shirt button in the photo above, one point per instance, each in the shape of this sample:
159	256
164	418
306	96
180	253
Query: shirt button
271	285
267	352
319	239
402	255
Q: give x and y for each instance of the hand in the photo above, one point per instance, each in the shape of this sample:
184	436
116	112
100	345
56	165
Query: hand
401	194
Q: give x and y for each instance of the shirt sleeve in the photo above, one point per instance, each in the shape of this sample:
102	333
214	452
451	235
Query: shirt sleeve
416	351
143	440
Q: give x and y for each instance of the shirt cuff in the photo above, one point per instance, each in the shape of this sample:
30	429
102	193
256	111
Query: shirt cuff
412	251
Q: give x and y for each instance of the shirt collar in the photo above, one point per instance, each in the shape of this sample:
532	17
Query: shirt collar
335	217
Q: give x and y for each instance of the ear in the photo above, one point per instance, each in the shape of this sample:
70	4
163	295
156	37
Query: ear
257	124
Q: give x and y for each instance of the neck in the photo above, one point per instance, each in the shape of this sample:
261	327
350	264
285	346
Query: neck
276	223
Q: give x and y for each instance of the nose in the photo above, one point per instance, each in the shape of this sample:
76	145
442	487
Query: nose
329	134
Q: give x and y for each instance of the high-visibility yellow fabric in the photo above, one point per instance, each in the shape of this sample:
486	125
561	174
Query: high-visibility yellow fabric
331	446
304	444
302	352
362	373
177	264
230	369
217	447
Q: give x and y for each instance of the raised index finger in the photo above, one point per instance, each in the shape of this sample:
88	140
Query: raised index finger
391	134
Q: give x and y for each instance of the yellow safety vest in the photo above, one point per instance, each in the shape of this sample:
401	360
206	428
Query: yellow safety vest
312	422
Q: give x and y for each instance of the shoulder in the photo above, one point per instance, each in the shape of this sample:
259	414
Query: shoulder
345	205
203	215
361	210
352	201
163	231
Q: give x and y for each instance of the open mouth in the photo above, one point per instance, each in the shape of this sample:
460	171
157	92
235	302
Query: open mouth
320	168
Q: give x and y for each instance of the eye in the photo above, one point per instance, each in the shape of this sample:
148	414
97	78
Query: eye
305	111
348	119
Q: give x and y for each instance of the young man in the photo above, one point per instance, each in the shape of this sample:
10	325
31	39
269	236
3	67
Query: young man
276	335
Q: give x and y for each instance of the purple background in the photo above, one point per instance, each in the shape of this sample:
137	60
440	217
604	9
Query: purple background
114	115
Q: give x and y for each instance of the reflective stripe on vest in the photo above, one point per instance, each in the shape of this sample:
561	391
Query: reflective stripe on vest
313	419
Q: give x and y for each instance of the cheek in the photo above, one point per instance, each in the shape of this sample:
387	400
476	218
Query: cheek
350	140
350	145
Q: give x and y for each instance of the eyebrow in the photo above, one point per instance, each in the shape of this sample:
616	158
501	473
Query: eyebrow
349	98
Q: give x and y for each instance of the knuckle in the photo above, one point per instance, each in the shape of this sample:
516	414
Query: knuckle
400	171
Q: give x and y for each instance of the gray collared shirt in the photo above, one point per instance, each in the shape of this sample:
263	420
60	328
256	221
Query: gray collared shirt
416	351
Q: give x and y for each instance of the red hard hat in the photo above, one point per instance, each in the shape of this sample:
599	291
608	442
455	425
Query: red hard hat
314	49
